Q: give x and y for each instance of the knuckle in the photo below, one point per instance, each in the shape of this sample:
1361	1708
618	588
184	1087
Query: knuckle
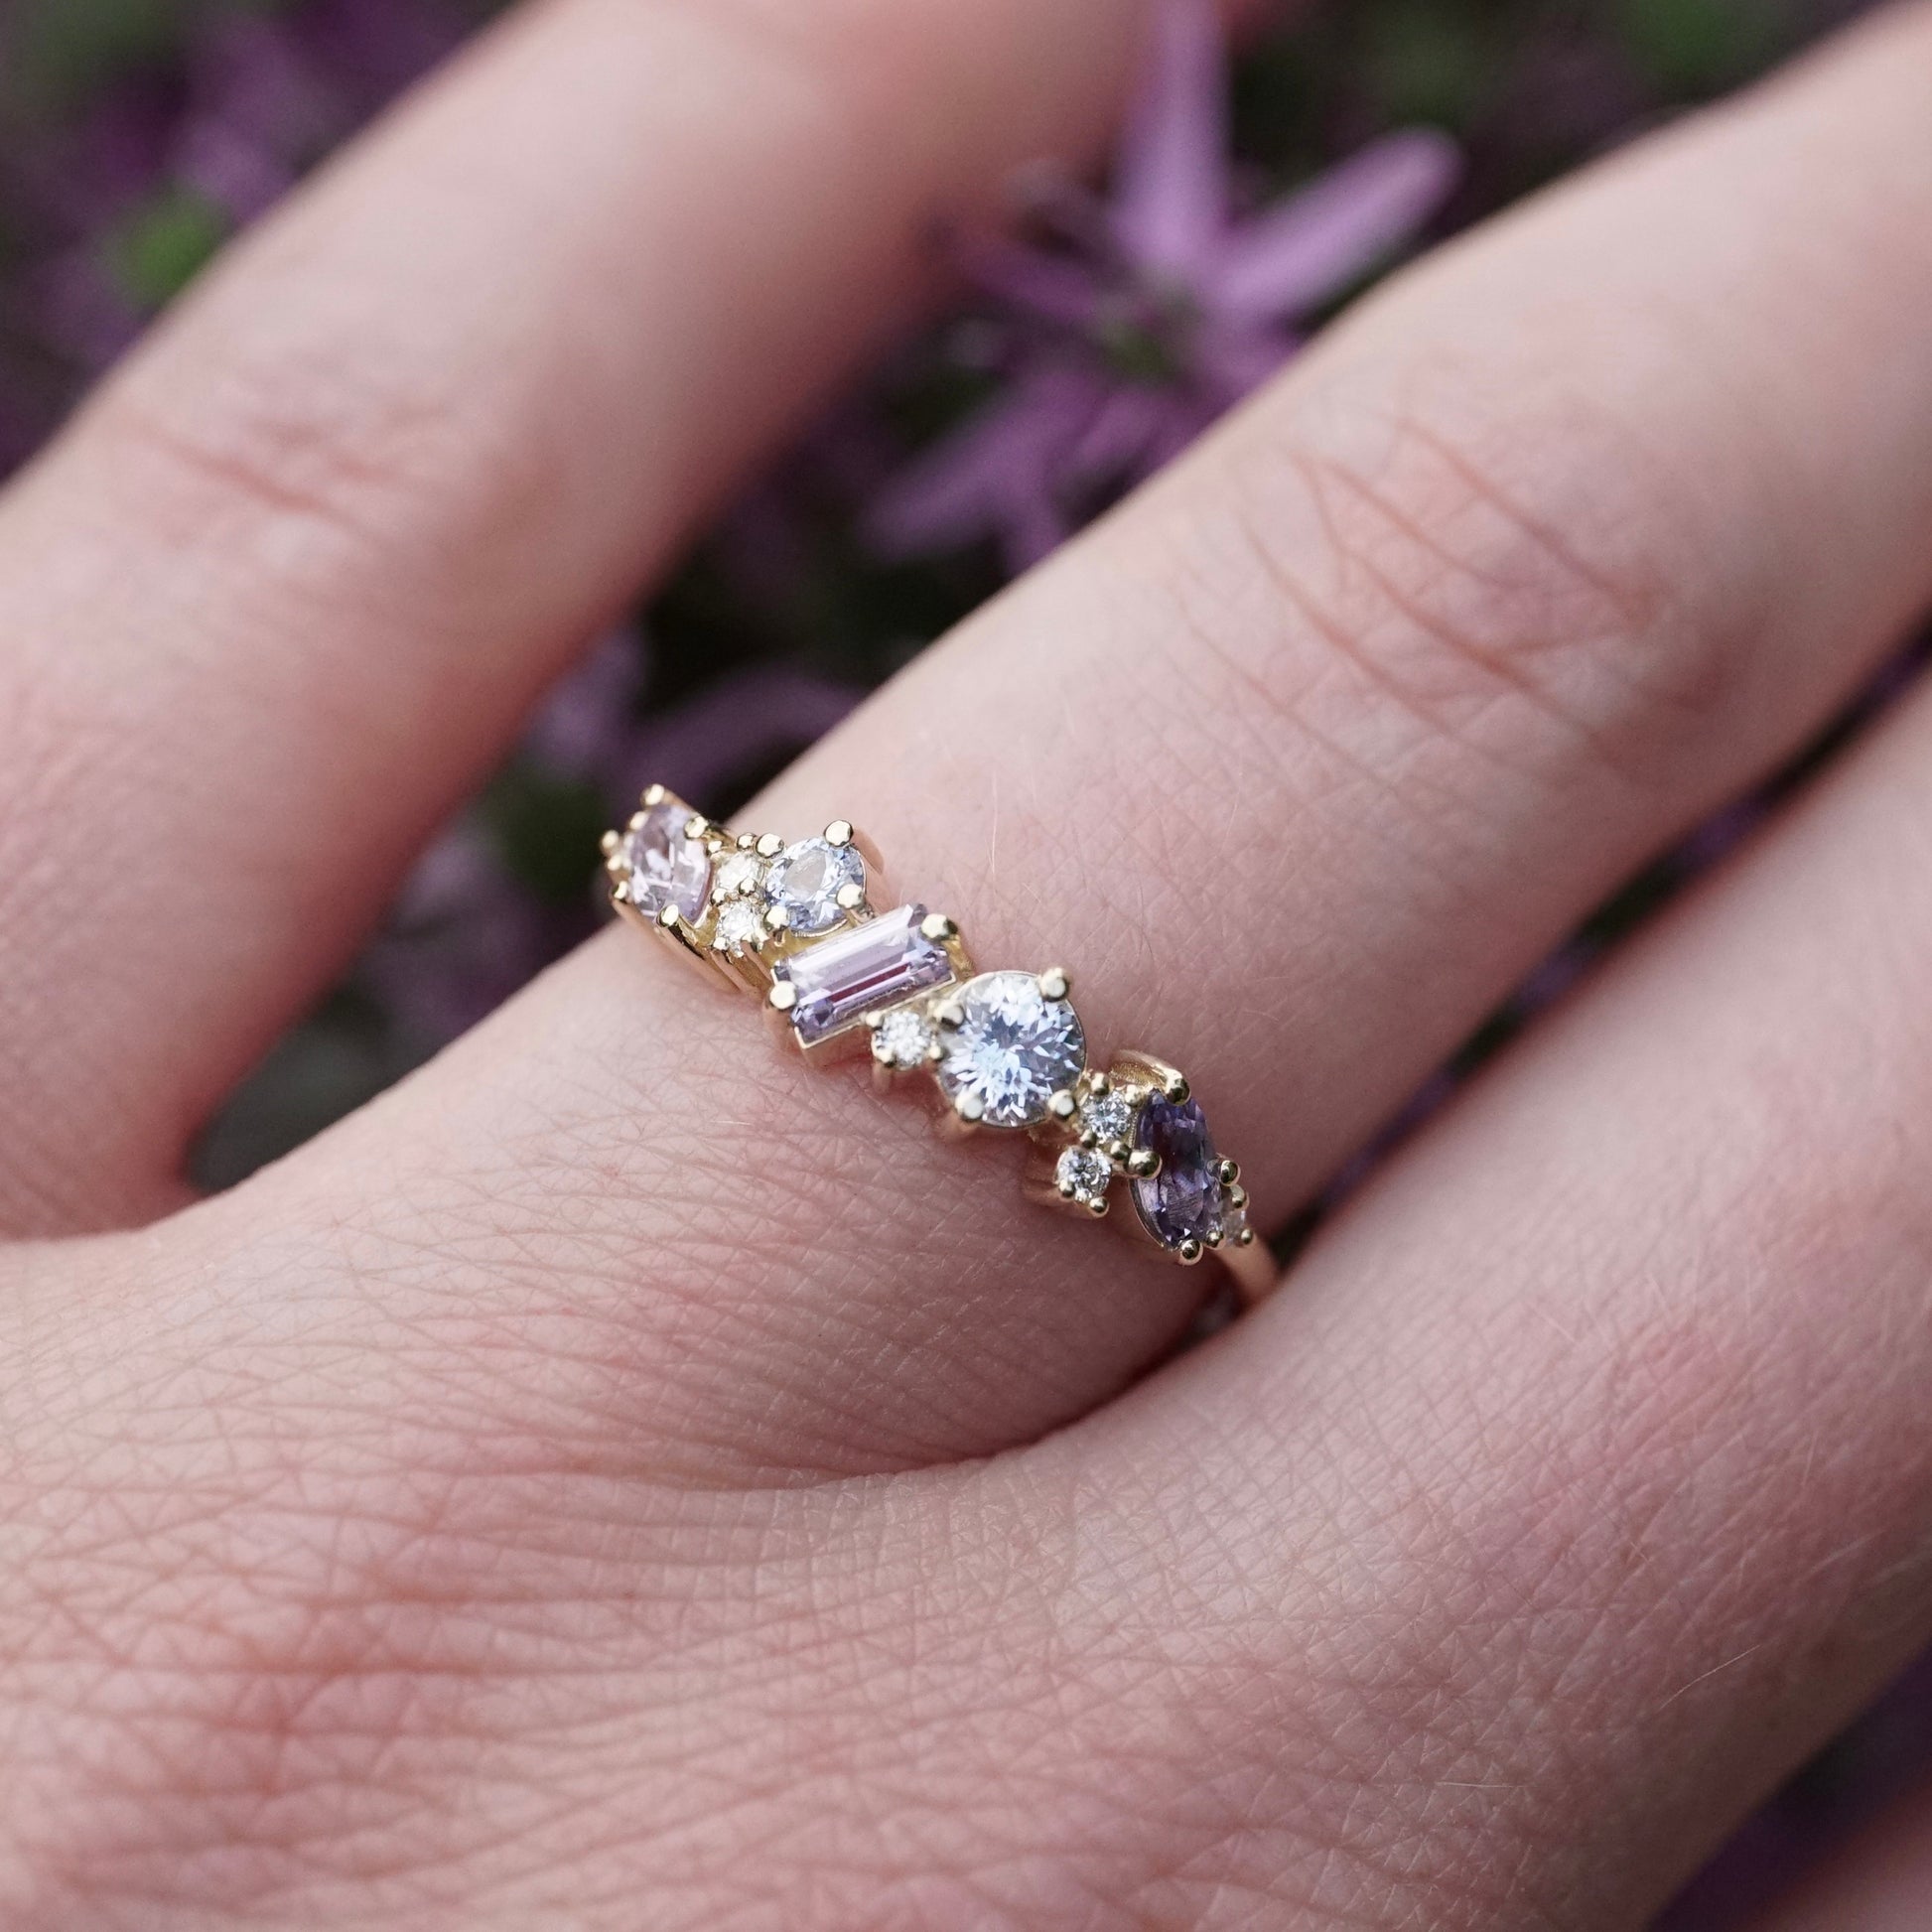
333	454
264	445
1522	585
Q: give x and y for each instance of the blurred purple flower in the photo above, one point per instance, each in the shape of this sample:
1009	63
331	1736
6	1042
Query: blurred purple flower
1155	312
465	931
462	937
128	203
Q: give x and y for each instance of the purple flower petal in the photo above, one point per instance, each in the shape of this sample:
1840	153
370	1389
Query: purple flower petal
584	728
1184	417
461	938
1171	175
1057	288
1307	249
746	722
1116	443
994	475
232	169
1233	358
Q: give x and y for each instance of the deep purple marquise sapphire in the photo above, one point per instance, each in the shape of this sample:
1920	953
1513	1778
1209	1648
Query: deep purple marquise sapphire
1183	1200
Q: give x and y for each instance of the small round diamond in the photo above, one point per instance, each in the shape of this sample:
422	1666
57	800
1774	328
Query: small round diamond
738	876
1107	1116
667	867
1082	1176
1013	1051
806	878
904	1038
741	923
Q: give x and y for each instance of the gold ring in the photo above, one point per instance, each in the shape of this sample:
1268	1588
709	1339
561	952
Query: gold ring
794	926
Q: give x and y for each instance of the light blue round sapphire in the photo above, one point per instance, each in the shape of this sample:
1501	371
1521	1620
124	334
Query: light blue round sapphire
1013	1051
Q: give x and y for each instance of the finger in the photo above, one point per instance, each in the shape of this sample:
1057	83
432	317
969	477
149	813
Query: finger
1604	1413
1296	763
1880	1883
282	594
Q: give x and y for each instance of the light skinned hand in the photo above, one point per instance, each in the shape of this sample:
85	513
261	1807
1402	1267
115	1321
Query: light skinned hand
625	1478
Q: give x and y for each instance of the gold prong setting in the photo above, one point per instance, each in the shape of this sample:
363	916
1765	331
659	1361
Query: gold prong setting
796	924
1081	1178
819	883
1013	1048
1187	1196
739	904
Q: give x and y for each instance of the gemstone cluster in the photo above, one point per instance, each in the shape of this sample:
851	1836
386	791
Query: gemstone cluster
796	924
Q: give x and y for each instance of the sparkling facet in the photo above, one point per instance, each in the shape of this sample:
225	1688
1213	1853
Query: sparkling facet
806	880
863	970
1014	1049
741	922
667	867
903	1038
1107	1115
1082	1176
739	874
1184	1202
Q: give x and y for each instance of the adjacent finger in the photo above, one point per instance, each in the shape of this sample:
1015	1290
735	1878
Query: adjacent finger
283	591
1882	1882
1296	763
1586	1472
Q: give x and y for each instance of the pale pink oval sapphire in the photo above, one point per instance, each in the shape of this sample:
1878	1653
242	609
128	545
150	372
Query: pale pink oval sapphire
667	867
863	970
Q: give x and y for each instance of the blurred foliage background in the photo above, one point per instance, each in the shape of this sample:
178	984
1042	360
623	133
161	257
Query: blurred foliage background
137	136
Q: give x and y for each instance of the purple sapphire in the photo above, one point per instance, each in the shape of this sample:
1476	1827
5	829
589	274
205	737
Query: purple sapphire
864	969
667	867
1184	1202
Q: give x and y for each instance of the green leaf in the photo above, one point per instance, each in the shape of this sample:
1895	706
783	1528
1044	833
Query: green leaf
60	50
546	830
1699	47
154	254
1431	62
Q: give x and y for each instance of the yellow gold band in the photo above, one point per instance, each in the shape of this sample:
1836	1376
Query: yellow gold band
797	927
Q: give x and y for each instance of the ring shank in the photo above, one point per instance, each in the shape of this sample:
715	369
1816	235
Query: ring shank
1254	1269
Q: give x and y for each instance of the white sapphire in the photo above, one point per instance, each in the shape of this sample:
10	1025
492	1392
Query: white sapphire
738	876
903	1038
806	878
667	867
741	923
1013	1051
1107	1116
1082	1176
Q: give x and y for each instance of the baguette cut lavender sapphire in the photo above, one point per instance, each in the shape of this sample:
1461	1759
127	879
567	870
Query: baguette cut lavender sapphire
1183	1200
841	979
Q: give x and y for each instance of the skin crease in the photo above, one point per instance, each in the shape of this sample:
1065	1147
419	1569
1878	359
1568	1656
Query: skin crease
619	1480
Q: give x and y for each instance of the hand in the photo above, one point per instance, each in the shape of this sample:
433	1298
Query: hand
625	1478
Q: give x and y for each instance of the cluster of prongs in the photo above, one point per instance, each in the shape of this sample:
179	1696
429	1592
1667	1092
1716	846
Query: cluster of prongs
1137	1122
